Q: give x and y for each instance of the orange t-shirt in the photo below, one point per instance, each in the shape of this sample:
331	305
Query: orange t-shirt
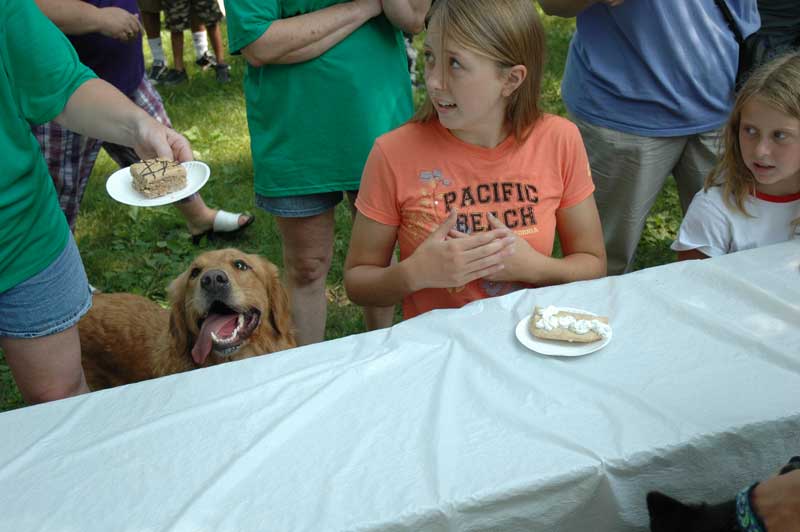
417	173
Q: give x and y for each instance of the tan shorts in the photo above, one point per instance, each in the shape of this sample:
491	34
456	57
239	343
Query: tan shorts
149	6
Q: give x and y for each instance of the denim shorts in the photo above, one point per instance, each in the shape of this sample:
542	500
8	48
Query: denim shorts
301	206
50	301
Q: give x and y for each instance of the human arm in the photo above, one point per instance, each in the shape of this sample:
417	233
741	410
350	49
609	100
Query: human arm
76	17
706	228
304	37
570	8
582	245
408	15
439	262
98	110
777	501
691	254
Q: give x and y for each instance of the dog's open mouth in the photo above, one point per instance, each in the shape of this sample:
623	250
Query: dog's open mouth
223	330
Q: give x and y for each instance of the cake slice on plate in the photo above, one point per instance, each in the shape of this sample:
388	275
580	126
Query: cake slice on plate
158	177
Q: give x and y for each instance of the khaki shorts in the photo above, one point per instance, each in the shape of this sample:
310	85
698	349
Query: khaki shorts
629	172
149	6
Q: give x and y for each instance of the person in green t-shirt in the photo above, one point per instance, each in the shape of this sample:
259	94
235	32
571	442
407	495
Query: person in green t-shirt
43	287
324	79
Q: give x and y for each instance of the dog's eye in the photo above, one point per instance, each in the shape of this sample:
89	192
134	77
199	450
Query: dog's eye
194	273
241	265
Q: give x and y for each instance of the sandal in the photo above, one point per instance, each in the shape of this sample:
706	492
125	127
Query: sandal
224	222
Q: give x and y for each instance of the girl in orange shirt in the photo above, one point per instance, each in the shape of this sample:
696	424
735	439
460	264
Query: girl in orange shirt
475	187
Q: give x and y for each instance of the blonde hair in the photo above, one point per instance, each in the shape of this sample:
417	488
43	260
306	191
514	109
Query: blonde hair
777	84
508	32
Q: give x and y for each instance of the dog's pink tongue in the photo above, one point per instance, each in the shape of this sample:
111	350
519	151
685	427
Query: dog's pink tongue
222	325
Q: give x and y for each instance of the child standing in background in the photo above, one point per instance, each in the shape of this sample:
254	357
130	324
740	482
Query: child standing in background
491	180
179	16
150	12
752	197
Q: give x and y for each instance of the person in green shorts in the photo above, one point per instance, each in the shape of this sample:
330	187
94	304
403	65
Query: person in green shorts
43	287
324	79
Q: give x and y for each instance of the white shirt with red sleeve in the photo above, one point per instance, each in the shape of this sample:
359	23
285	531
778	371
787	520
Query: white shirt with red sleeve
714	229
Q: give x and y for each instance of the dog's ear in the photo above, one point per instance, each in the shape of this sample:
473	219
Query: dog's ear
177	316
280	316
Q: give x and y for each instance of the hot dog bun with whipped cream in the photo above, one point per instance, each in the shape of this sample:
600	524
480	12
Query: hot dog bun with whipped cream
553	323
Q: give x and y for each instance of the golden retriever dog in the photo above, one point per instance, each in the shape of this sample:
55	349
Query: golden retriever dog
228	305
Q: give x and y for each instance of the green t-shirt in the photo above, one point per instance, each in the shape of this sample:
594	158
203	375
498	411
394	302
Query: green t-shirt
312	124
39	71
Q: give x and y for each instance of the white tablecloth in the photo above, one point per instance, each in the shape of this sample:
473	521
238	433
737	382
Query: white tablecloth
444	422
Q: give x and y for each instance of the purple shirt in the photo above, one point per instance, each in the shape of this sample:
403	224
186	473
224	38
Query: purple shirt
119	63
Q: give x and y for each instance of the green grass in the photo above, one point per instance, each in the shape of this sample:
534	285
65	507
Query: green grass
128	249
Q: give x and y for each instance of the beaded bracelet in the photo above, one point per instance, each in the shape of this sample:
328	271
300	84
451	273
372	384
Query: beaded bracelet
748	519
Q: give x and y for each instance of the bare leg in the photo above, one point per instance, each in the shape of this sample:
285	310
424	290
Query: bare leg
199	216
198	32
196	25
152	24
374	317
176	38
378	317
46	368
215	36
307	253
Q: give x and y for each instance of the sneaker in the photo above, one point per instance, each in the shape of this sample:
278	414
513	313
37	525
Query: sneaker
157	72
223	72
206	62
174	77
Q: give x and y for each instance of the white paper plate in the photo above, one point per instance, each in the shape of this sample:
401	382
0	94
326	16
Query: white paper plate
555	347
120	186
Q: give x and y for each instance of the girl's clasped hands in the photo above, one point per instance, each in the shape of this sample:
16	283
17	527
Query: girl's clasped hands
515	256
449	258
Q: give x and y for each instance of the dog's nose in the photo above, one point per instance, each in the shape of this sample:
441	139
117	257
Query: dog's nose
214	281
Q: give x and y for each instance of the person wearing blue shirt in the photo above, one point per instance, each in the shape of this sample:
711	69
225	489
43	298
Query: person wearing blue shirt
649	83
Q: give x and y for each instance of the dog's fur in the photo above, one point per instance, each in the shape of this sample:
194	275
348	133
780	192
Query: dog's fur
128	338
670	515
